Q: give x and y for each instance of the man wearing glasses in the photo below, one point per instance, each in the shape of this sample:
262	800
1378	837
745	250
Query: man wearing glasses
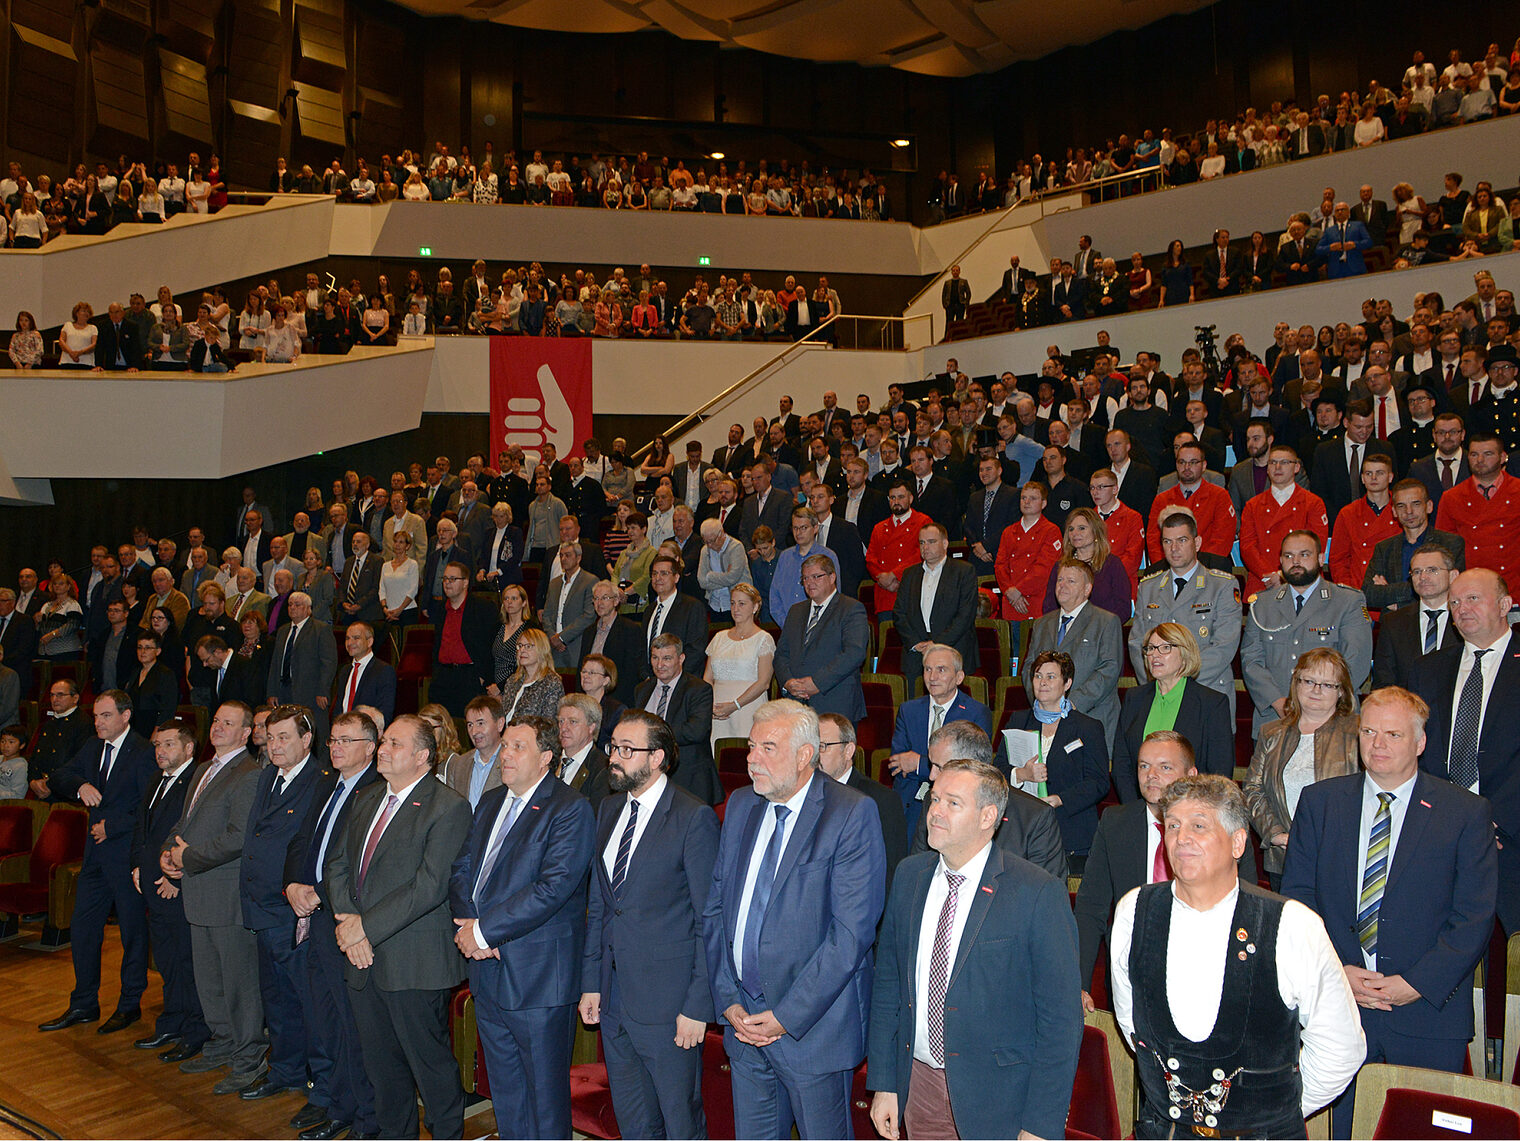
462	664
1268	518
644	976
836	758
1306	612
341	1097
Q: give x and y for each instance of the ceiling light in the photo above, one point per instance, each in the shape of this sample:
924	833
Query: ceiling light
900	143
717	154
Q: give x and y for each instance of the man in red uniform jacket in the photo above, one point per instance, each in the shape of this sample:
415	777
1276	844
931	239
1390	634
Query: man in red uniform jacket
1209	503
1125	525
1268	517
1485	509
894	547
1363	524
1029	550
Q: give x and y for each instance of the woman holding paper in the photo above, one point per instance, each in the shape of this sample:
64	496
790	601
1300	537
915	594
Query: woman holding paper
1059	755
1316	739
1173	698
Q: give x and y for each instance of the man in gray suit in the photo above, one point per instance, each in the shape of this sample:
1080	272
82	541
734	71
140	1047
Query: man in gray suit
204	855
1092	636
568	611
768	505
304	662
388	880
823	645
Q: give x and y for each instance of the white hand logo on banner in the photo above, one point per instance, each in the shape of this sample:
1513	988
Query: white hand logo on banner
532	423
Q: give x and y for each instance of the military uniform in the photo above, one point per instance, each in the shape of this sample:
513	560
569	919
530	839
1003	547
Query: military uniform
1334	617
1208	606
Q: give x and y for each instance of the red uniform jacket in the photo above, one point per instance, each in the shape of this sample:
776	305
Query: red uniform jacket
1358	528
1265	523
1211	506
894	547
1024	562
1491	527
1126	538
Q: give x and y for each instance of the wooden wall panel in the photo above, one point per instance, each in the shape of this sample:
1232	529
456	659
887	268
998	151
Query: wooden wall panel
184	106
256	60
318	128
188	27
46	16
118	110
252	142
43	80
320	55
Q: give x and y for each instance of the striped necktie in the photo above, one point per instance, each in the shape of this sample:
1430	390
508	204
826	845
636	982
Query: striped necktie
1375	877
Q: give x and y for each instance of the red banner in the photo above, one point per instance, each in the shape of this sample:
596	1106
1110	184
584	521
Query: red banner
540	393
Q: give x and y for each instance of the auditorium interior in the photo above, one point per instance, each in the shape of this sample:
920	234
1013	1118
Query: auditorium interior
380	226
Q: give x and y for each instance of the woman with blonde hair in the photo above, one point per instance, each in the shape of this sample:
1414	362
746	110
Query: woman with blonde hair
739	665
1314	740
535	688
1086	538
1172	697
444	732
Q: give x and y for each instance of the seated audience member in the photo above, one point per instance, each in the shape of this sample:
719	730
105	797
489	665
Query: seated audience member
13	765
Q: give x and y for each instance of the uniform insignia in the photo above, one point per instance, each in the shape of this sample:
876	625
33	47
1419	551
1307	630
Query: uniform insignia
1240	934
1199	582
1203	631
1324	592
1250	601
1237	595
1153	606
1366	617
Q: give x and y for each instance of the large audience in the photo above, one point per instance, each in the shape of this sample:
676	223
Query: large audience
575	616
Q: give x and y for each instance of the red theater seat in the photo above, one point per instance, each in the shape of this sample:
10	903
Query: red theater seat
1094	1105
1414	1115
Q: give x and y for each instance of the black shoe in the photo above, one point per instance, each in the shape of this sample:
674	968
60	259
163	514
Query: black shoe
73	1016
181	1053
325	1131
118	1021
267	1087
157	1042
309	1115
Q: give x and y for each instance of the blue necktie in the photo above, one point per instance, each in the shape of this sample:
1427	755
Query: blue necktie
759	900
1462	763
488	865
314	867
625	849
1061	633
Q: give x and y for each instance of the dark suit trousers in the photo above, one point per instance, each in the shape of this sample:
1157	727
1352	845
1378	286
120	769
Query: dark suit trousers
282	979
226	978
170	935
333	1057
527	1056
656	1085
453	687
1387	1045
770	1097
102	885
406	1049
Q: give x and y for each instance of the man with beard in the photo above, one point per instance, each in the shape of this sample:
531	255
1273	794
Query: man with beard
1305	612
657	844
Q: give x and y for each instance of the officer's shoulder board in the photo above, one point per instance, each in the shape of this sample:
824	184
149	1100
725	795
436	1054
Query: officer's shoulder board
1155	574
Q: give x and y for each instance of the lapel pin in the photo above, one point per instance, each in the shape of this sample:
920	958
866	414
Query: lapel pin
1425	803
1240	934
416	804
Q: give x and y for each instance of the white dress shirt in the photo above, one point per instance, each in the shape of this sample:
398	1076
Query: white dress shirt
1309	980
762	842
939	888
1491	662
647	801
352	681
932	575
341	792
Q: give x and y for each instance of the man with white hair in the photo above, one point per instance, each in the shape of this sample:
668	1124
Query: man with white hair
721	566
304	662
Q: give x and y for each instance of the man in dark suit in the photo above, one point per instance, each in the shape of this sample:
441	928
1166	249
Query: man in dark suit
803	316
1448	466
644	972
686	478
1030	828
340	1095
1330	473
585	499
18	639
449	546
520	878
304	663
232	676
671	612
359	588
1222	266
934	495
65	729
110	776
867	505
581	764
788	952
622	643
918	719
823	645
766	506
462	661
950	585
684	701
991	508
830	414
838	534
180	1023
387	880
1127	850
119	346
1402	867
204	856
1471	740
473	514
836	758
1014	277
1137	481
1306	138
280	805
1373	214
365	680
1005	982
955	295
730	456
791	423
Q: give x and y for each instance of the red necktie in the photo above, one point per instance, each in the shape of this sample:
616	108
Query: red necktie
1477	391
1451	372
353	685
1446	479
374	838
1161	868
1382	417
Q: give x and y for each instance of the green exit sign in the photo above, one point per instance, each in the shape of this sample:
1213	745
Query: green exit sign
704	260
425	251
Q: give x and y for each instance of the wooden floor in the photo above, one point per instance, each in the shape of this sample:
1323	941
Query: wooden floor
79	1084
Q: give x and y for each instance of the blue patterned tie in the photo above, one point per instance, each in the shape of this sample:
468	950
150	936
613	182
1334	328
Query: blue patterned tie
1432	621
759	900
1061	633
1463	762
1375	877
625	849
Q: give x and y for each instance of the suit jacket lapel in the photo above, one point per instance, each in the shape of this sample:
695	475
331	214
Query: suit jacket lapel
1416	816
1508	677
1349	816
981	903
802	831
658	815
915	928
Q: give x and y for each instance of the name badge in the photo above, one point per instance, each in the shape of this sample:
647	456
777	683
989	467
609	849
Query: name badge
1074	746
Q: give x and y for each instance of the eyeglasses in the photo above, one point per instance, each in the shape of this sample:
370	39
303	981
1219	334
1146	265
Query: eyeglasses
627	751
346	740
1158	648
1319	686
455	578
831	744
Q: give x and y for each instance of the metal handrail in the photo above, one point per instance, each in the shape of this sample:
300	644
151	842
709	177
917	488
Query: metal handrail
809	342
997	217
